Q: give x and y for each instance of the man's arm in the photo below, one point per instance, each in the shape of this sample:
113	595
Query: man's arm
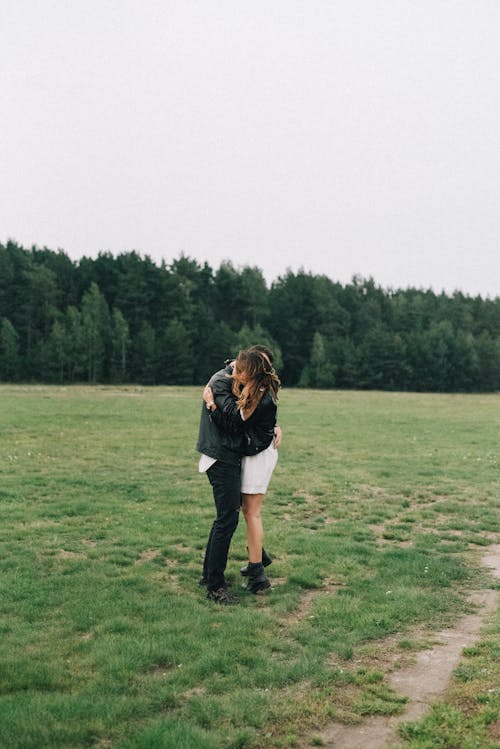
221	403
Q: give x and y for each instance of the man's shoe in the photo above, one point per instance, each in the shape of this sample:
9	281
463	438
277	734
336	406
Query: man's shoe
257	578
222	596
266	561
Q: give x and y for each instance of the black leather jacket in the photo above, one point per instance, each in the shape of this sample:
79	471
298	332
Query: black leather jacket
259	429
216	438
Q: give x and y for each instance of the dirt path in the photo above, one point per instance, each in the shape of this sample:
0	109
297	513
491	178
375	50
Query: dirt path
422	682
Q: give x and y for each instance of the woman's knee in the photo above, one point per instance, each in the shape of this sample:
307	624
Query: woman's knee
252	505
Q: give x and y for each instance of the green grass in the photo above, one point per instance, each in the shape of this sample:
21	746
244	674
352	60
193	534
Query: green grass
380	505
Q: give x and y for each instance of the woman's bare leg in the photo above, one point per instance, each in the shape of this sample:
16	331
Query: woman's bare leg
251	505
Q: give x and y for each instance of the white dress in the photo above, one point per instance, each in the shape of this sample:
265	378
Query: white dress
256	470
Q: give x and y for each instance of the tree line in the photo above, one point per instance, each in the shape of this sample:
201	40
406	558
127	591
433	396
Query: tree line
124	318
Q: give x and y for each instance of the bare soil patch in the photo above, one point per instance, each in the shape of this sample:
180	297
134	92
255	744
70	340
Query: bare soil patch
304	607
65	554
147	556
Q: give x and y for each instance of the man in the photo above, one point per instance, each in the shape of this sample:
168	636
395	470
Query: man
221	453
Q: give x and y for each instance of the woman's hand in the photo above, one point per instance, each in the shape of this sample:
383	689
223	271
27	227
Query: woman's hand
208	395
277	437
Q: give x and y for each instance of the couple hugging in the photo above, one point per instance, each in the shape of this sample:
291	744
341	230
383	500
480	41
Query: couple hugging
238	441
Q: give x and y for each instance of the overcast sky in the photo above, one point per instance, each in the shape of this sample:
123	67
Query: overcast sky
342	136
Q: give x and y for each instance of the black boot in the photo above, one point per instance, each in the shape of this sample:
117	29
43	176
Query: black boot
266	561
257	578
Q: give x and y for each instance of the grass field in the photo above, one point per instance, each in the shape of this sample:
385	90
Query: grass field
376	515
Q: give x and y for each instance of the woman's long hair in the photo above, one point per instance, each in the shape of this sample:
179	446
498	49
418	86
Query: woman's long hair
253	376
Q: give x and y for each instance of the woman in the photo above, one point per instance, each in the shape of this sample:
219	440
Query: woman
255	390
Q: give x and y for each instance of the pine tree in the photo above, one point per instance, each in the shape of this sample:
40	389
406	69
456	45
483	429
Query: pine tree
10	360
144	355
319	372
54	354
76	342
96	331
175	361
120	340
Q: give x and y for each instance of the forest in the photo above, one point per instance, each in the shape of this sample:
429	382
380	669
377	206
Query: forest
126	319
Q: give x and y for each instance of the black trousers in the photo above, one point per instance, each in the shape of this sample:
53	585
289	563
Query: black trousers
225	479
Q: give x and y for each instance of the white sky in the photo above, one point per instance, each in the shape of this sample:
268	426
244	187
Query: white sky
342	136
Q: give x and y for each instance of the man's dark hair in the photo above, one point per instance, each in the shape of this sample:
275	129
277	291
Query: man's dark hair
263	349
